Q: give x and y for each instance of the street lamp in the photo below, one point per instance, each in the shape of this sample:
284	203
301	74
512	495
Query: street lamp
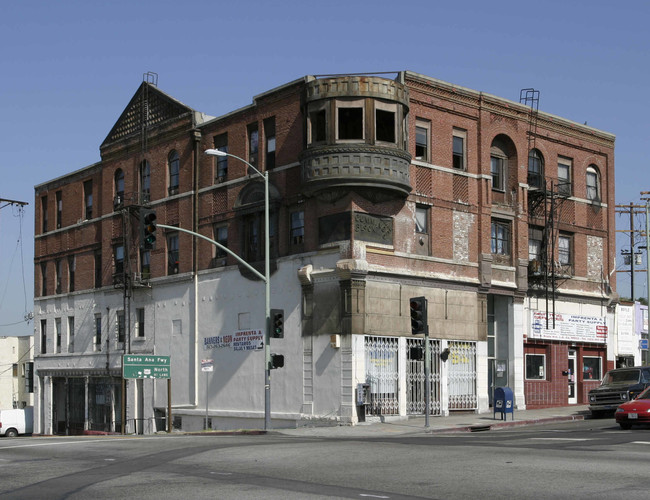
267	287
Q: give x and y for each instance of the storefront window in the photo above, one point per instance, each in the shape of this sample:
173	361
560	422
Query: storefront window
535	367
591	368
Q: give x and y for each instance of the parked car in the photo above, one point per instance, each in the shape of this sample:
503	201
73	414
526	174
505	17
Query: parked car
618	386
634	412
14	422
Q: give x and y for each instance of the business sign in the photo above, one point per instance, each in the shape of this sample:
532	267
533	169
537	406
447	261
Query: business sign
145	366
568	327
207	365
244	340
643	344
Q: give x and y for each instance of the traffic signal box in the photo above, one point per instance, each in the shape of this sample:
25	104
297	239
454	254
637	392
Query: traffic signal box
418	308
148	229
277	323
277	361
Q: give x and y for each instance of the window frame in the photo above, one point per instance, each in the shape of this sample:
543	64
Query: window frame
527	368
71	334
145	182
499	173
140	318
593	192
253	139
88	199
459	161
220	142
534	178
174	172
59	208
297	227
565	252
496	241
145	264
422	227
424	127
269	143
118	259
315	112
173	253
118	188
44	213
58	271
565	184
600	367
97	337
350	104
220	256
390	108
72	267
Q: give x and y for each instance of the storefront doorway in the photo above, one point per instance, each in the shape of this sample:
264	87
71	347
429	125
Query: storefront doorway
573	399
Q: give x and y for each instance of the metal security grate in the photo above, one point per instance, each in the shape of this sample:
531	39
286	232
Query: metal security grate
382	370
461	366
415	386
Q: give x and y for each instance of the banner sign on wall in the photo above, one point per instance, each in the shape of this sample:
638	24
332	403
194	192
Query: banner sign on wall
244	340
568	327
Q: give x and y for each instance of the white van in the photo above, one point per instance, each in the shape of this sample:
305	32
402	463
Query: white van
14	422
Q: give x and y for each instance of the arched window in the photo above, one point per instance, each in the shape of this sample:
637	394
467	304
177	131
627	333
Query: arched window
145	182
535	169
174	170
498	166
119	188
593	183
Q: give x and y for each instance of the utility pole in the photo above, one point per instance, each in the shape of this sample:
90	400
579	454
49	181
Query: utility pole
632	210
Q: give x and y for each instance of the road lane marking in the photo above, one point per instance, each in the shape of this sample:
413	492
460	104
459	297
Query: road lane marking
372	496
640	442
562	439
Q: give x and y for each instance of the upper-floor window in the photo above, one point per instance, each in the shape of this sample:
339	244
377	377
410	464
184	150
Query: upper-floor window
139	325
121	327
174	164
44	213
173	255
422	219
593	183
119	259
88	200
58	275
297	235
385	122
253	144
564	176
97	340
43	278
145	264
72	264
269	135
58	334
70	333
564	250
220	235
59	209
422	138
498	172
43	336
119	188
317	125
145	182
500	239
459	155
98	269
535	240
535	169
349	122
221	162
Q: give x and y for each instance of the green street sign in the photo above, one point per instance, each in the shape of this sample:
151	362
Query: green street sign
145	366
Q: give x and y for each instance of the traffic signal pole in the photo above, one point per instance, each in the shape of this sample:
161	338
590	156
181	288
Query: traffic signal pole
418	307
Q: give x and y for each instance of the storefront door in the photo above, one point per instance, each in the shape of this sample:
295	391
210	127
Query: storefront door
573	399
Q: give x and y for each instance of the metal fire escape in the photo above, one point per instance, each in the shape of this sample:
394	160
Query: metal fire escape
545	199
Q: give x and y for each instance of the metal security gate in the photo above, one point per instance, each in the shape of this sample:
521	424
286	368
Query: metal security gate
461	367
382	373
415	386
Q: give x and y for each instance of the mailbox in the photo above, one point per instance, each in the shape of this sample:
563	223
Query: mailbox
503	402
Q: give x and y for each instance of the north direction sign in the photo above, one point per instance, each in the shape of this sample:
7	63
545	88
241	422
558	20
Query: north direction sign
145	366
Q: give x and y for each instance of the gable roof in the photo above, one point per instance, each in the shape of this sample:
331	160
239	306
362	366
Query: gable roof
148	108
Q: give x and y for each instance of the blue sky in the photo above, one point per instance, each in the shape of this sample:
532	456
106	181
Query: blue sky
69	68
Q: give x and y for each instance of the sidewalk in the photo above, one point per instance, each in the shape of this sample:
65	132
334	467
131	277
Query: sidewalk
455	422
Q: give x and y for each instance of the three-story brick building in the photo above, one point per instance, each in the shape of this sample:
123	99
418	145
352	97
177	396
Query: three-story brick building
380	190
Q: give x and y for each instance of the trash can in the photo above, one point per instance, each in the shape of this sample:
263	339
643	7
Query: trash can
503	402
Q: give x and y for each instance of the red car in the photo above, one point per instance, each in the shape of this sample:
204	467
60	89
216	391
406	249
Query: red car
636	411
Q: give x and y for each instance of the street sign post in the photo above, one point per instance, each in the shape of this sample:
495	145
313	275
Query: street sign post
207	366
145	366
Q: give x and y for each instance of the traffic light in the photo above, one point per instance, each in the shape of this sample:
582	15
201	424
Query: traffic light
147	229
277	323
277	361
418	307
416	353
